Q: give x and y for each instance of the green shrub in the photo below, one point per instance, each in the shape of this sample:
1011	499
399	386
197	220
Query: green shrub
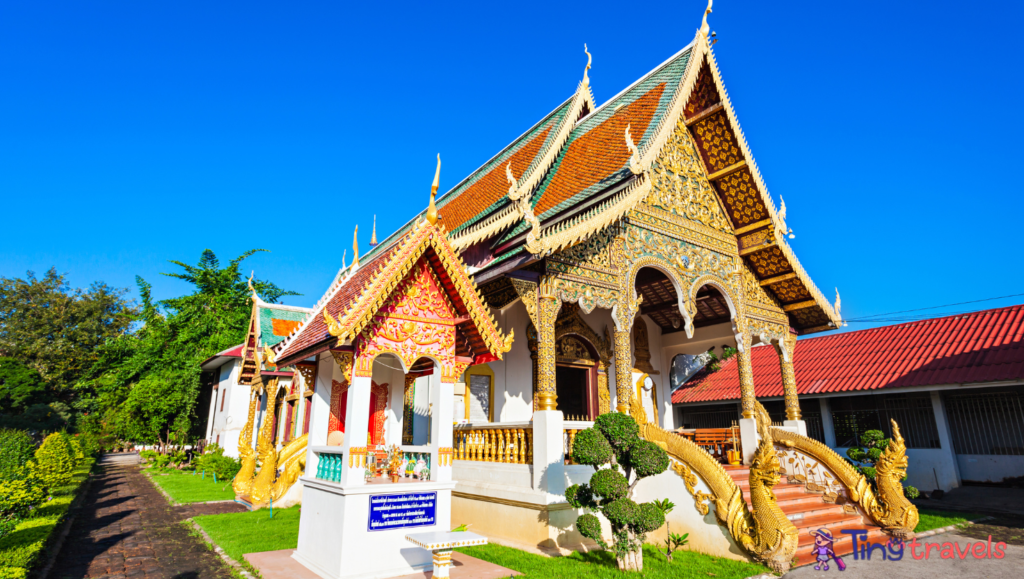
148	455
911	492
648	459
637	459
620	430
213	460
609	484
590	447
55	460
13	573
89	443
16	449
19	495
76	448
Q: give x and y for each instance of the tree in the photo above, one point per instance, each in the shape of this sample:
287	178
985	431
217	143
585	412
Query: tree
148	381
20	386
614	448
55	329
872	444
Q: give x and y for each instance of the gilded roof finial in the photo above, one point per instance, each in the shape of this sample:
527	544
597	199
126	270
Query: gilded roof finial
373	236
344	254
839	303
513	185
251	288
704	28
432	210
586	79
355	248
634	157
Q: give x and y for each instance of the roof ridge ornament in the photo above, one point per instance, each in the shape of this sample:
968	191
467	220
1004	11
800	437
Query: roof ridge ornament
634	158
355	248
255	297
782	218
432	210
704	28
586	79
373	236
513	185
839	303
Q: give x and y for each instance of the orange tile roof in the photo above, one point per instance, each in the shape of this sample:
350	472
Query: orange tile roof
600	152
490	188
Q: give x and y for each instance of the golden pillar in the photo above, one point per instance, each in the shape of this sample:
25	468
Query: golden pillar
786	348
623	369
547	312
747	396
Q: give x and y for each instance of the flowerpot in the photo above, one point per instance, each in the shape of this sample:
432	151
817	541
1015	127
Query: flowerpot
394	478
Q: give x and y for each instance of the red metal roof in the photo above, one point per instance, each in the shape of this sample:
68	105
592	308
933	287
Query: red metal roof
985	346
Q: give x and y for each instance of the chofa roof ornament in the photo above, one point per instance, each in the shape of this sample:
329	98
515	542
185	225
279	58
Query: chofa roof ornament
586	79
704	28
432	210
634	158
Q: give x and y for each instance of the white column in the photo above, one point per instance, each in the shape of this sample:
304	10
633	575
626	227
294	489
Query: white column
549	454
357	424
442	396
827	426
945	441
321	413
421	408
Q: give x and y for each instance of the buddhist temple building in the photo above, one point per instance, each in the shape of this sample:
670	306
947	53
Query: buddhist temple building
555	284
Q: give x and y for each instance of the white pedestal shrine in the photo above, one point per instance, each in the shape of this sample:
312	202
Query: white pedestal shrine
358	532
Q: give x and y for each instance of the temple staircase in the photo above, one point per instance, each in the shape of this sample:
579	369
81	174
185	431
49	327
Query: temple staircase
809	512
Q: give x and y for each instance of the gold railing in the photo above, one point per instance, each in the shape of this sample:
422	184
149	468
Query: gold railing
509	444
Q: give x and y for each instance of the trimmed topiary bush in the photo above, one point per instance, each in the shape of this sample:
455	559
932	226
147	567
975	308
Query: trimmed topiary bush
614	448
55	460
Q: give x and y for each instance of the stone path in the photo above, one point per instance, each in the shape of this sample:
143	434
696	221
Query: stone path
125	528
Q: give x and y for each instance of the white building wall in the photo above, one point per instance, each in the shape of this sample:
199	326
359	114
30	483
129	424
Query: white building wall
513	375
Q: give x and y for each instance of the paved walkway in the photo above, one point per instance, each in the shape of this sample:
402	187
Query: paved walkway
125	528
984	500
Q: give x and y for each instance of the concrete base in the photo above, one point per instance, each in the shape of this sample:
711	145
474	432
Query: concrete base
799	425
281	565
748	439
335	539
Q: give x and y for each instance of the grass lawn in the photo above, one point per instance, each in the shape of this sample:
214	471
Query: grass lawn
931	519
21	550
184	487
684	564
252	532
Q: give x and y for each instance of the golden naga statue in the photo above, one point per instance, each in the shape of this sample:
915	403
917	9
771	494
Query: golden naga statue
766	534
888	508
243	480
259	489
894	512
776	538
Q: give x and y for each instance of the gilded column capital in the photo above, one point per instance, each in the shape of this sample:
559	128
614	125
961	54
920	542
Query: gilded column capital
344	361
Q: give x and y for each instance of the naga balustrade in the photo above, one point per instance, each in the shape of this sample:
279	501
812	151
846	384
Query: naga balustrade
509	443
570	429
329	462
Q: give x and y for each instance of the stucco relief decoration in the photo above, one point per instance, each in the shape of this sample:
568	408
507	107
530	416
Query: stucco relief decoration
570	348
415	321
689	260
680	185
753	293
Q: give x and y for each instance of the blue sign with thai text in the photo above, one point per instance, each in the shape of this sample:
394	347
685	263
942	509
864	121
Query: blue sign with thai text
401	511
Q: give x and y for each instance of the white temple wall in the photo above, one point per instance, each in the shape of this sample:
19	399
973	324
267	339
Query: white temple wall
513	376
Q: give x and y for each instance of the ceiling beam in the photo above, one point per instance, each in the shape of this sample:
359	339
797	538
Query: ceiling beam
753	226
799	306
704	114
728	170
778	278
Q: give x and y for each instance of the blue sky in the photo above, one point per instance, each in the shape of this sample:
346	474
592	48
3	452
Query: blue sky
135	133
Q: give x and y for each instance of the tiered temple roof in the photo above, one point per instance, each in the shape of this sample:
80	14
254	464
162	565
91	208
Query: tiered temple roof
574	173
